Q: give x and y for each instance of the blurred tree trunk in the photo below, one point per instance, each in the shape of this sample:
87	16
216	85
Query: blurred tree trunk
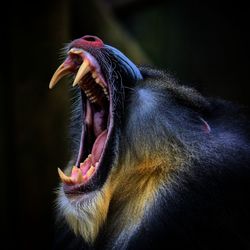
33	121
5	124
102	21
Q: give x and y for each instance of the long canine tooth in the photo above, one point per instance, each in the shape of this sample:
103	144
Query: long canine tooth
64	178
62	71
83	70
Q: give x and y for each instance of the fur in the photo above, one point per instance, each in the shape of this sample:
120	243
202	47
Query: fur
169	181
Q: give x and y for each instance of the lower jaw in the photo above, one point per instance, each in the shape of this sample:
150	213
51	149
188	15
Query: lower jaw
86	190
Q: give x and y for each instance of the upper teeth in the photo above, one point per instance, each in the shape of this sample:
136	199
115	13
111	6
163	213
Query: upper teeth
83	70
89	64
94	75
89	91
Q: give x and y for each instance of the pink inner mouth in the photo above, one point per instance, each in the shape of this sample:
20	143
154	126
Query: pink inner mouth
91	163
96	100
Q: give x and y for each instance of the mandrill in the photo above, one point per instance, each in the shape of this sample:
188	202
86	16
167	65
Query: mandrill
155	165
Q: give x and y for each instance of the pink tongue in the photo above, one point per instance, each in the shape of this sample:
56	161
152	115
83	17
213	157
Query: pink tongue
98	146
99	122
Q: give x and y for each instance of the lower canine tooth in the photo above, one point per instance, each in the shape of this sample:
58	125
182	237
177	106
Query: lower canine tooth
64	178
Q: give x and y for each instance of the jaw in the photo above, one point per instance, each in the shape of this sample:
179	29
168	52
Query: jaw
114	203
100	72
97	125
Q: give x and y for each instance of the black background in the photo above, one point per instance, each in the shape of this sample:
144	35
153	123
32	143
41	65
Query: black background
204	43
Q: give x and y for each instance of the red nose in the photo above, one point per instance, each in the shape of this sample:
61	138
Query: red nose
91	41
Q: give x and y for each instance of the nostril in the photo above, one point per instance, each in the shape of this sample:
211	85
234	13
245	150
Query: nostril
92	41
89	38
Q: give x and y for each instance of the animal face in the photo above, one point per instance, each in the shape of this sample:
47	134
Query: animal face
135	130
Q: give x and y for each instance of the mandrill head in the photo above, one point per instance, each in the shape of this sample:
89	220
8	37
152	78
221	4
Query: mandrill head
137	129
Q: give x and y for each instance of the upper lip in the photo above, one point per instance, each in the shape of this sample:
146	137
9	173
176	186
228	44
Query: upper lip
82	63
70	65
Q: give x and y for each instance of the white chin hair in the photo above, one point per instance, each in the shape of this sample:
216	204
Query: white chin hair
85	214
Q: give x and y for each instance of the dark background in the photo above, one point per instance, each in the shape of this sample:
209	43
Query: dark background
204	43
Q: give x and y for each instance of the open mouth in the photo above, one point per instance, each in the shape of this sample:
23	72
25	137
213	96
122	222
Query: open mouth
97	118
